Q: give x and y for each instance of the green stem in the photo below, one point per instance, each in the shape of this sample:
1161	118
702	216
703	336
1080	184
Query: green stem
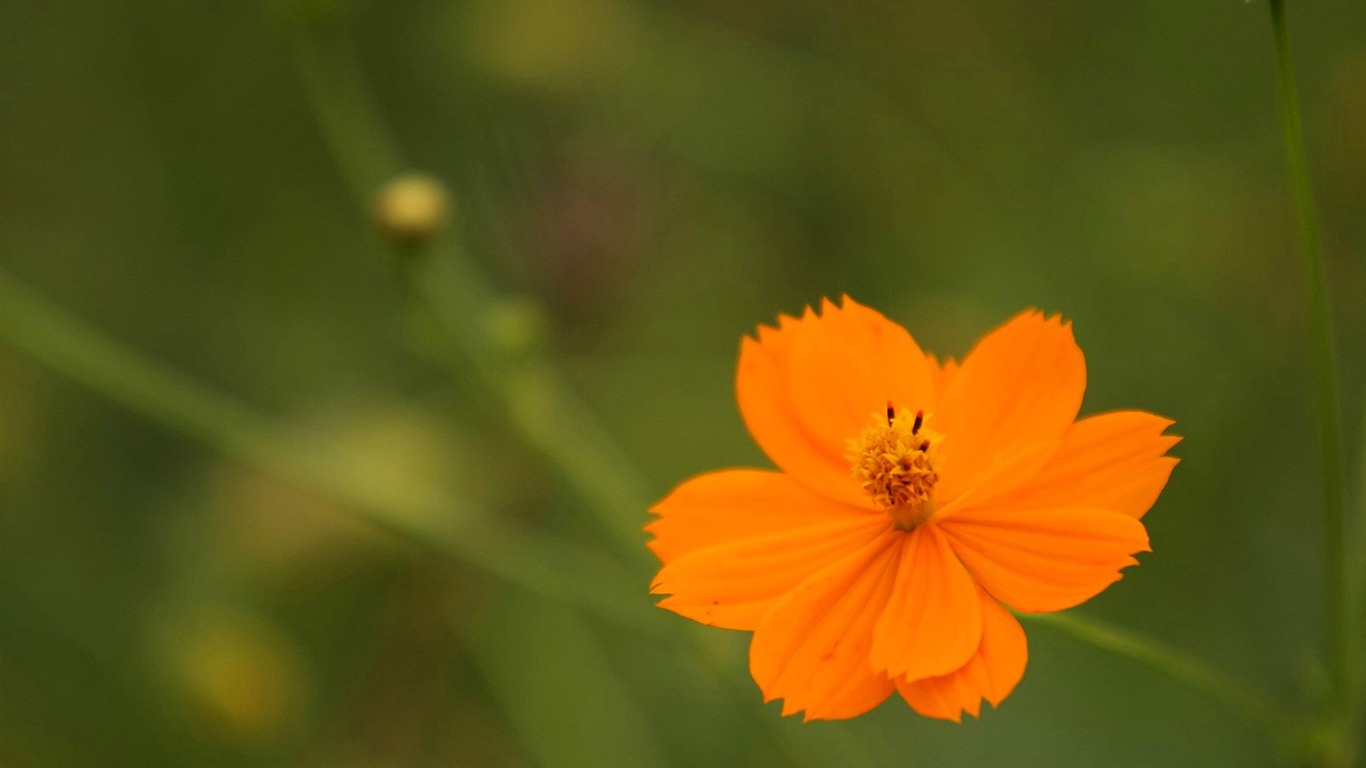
346	115
443	281
539	405
1327	400
37	327
1177	665
430	518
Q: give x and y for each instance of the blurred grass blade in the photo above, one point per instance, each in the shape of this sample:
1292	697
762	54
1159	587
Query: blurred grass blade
1241	698
45	332
444	525
1342	648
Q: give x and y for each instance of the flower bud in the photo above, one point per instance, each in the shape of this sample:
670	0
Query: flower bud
411	209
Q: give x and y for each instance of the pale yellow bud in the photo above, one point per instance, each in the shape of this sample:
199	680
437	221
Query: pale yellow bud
411	209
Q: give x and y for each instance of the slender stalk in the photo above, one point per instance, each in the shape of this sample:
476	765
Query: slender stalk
42	330
539	405
442	281
346	115
1248	702
1327	400
448	527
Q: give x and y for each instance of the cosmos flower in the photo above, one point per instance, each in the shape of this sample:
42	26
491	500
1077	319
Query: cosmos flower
914	506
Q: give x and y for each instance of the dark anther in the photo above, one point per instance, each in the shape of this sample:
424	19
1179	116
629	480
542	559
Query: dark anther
919	419
925	446
891	413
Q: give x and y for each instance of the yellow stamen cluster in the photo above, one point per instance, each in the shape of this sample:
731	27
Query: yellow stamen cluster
894	460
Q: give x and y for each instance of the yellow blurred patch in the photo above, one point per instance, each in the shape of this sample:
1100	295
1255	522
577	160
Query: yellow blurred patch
555	44
244	679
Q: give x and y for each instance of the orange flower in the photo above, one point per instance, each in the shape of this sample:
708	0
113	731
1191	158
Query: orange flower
914	503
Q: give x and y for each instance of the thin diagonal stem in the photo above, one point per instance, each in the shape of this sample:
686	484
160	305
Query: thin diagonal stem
1327	400
1240	697
450	288
346	115
451	528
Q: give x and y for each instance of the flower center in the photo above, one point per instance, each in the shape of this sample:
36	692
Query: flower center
894	459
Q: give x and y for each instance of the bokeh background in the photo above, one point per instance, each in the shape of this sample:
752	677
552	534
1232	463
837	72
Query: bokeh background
641	183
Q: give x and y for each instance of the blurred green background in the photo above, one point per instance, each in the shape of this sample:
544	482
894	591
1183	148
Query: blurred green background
651	180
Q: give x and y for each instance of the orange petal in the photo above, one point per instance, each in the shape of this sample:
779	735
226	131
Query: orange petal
991	674
737	504
811	649
847	365
762	387
1002	478
1043	560
1021	384
942	374
1111	461
733	585
932	623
